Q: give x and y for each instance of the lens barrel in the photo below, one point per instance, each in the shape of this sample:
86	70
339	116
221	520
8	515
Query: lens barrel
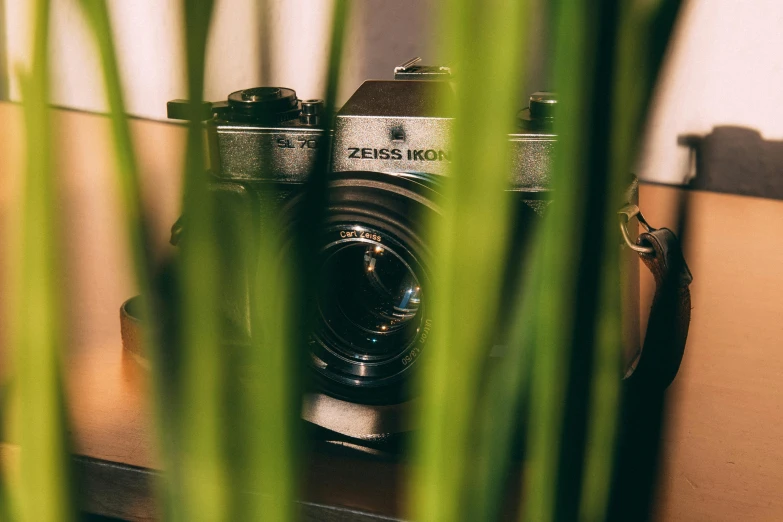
371	319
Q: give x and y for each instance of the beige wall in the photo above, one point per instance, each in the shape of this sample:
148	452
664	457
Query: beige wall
149	40
725	67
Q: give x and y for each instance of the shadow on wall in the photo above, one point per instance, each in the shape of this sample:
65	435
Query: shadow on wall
736	160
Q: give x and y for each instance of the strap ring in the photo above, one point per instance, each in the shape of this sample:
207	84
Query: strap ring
627	213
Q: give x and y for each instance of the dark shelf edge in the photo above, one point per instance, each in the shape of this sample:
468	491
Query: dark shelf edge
125	492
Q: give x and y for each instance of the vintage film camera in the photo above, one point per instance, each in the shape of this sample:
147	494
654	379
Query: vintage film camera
390	145
389	149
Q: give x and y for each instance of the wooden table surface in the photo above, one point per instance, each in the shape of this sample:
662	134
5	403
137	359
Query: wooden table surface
724	457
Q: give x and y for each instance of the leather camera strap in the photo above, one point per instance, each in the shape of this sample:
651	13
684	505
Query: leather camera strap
643	409
667	327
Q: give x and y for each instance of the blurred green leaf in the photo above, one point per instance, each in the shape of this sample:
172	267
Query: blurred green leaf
130	185
7	469
566	263
132	209
484	42
643	32
199	474
127	169
44	486
280	306
271	405
278	316
577	362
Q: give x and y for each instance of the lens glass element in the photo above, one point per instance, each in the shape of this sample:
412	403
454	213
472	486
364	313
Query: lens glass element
369	301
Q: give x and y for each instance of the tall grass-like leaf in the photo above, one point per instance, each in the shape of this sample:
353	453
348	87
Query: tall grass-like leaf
315	188
484	40
566	264
131	203
6	471
265	411
199	473
643	32
500	407
576	371
42	492
130	185
270	395
281	313
605	394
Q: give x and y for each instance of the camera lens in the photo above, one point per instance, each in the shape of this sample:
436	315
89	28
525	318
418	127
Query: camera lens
369	299
370	277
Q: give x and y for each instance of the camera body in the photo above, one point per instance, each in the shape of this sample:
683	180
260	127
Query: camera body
398	126
389	148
